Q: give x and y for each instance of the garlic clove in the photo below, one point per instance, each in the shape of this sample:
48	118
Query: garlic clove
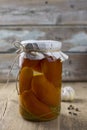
67	93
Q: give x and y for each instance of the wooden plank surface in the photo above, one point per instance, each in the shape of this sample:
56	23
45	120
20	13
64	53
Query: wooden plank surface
70	36
39	12
10	119
63	20
74	43
42	19
75	68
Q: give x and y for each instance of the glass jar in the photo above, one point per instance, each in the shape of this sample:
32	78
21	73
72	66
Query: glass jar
40	80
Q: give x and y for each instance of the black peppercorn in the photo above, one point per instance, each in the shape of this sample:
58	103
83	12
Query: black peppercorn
75	114
70	112
68	108
77	109
71	106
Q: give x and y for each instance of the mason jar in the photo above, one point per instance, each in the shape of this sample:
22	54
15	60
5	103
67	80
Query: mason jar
40	79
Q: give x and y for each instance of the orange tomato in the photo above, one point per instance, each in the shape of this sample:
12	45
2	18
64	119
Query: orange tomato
25	78
44	90
52	71
34	106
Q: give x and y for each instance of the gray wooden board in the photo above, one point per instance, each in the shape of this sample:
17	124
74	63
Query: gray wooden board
39	12
10	118
73	38
75	68
74	43
63	20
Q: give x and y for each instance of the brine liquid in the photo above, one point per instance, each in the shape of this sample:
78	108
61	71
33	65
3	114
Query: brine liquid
40	89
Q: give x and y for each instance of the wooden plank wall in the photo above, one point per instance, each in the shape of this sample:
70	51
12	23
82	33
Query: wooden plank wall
63	20
43	12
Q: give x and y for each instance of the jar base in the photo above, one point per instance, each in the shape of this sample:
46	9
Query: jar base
30	117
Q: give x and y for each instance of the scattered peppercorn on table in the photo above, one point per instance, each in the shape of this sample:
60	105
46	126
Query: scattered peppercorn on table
73	114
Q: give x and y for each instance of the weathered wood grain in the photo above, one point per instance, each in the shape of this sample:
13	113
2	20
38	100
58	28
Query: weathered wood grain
74	39
6	63
70	36
44	20
10	118
75	68
47	12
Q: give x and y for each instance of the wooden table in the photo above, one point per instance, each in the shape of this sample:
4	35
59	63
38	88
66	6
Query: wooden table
10	119
59	20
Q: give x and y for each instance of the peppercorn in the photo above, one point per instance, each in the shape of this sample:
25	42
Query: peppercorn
68	108
70	112
75	114
77	109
